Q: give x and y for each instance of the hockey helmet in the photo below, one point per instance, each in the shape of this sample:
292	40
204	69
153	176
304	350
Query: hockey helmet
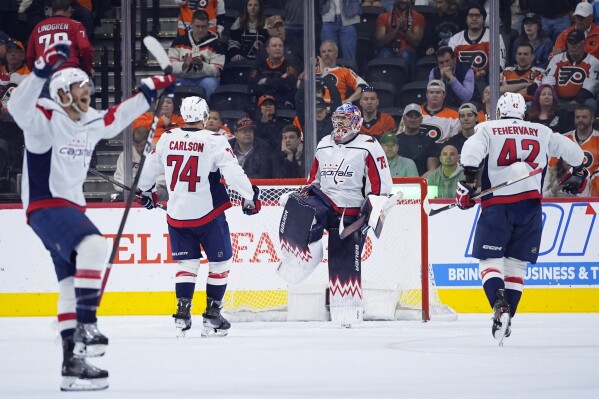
511	105
347	122
194	109
64	79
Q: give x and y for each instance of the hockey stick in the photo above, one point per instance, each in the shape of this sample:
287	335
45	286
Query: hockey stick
158	52
432	212
96	172
346	231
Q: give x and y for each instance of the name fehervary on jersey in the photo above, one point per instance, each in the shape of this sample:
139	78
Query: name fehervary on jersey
186	146
523	130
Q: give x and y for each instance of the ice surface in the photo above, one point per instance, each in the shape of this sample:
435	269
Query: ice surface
547	356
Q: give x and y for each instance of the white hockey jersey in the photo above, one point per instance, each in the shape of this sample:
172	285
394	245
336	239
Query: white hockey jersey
504	142
58	150
348	172
192	161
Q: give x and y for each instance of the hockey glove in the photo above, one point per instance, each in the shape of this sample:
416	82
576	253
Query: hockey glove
575	181
148	198
151	86
463	196
253	206
52	58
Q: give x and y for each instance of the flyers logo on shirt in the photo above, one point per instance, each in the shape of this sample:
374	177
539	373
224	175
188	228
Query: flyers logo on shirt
476	58
571	74
432	131
588	160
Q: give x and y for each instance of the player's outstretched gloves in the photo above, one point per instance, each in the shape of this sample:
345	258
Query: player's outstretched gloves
253	206
463	195
52	58
152	85
575	181
148	198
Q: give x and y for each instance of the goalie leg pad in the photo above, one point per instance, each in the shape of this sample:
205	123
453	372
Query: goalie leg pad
296	222
345	277
296	265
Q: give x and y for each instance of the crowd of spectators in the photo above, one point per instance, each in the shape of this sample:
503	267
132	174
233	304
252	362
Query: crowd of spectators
548	53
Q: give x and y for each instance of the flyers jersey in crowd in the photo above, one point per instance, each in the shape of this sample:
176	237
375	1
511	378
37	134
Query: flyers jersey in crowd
475	52
569	77
511	75
440	125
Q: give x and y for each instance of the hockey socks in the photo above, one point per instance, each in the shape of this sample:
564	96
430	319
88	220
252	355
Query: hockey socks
513	298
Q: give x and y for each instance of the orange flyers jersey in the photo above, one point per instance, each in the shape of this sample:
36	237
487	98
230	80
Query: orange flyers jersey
212	7
590	147
591	43
346	80
381	124
440	125
568	77
511	76
475	51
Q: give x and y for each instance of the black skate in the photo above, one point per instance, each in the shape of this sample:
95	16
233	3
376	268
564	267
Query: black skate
77	375
501	318
89	341
183	316
215	325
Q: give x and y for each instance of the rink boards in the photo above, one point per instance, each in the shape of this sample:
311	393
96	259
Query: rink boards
565	279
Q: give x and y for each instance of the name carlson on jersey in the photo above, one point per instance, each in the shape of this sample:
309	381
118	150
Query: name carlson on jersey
523	130
186	146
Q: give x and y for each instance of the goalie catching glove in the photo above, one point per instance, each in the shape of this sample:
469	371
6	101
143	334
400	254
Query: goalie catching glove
148	198
54	56
152	85
253	206
575	181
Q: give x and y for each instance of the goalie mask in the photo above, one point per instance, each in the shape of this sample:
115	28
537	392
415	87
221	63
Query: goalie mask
511	105
64	80
194	109
347	121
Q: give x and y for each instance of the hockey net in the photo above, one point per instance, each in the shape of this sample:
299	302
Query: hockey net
397	280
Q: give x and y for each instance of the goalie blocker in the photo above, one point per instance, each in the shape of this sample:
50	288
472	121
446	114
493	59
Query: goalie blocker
305	217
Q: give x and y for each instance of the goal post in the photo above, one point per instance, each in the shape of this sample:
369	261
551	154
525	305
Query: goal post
397	280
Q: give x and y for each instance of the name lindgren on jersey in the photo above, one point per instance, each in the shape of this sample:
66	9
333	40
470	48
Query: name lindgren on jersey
57	149
347	172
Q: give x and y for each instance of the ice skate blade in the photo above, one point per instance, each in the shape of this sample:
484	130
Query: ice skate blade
181	333
500	333
213	332
78	384
83	350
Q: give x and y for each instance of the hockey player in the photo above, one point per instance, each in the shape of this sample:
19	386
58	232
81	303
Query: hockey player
347	169
193	160
508	232
60	136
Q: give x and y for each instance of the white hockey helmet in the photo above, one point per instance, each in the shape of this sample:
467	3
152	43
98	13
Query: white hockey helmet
347	122
64	79
511	105
194	109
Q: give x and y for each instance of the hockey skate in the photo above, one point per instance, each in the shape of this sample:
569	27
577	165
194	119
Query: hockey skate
501	318
77	375
89	341
215	325
183	316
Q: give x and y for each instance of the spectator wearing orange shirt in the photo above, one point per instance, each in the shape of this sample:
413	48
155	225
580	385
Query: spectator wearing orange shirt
399	32
168	120
214	9
348	83
375	123
583	21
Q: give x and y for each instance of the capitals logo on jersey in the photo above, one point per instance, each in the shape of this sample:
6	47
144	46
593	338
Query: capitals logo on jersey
338	172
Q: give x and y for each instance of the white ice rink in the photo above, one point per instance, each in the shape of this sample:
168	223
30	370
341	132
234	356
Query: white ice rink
548	356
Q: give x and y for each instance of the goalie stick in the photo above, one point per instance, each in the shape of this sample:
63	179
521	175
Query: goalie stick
158	52
96	172
431	212
362	220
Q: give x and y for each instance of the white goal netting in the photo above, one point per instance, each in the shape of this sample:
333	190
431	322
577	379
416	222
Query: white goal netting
392	272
